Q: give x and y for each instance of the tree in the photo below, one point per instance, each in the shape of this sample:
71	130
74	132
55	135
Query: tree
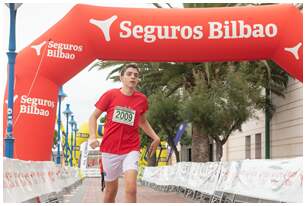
270	77
165	116
224	98
220	107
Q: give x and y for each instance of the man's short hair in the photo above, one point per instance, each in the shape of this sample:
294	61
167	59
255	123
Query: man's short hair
132	65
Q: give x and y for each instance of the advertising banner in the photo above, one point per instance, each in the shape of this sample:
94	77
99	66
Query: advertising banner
24	180
279	180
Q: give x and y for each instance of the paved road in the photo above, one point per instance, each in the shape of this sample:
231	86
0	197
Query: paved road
90	192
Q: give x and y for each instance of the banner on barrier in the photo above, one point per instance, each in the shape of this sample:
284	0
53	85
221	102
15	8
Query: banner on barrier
24	180
279	180
204	177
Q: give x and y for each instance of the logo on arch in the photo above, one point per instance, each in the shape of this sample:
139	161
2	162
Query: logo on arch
104	25
213	30
57	49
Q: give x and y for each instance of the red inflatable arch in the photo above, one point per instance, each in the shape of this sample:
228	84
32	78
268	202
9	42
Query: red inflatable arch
179	35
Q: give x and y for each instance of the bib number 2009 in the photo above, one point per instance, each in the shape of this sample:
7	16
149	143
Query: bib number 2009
124	115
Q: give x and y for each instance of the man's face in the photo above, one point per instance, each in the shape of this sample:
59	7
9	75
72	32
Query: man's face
130	78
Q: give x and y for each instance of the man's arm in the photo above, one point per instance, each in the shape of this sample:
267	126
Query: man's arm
146	127
92	140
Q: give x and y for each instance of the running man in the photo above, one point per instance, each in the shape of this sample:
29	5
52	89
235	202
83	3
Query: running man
126	108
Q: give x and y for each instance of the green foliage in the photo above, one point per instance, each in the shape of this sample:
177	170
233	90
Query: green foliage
144	139
164	115
268	75
207	5
220	107
164	112
215	5
186	139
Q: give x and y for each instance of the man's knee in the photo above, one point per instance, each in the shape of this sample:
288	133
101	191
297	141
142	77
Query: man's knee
131	189
131	181
110	189
110	193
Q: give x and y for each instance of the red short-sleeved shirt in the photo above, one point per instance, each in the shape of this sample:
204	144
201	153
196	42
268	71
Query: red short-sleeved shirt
121	134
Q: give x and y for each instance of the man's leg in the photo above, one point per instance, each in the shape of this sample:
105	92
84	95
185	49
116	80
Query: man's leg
130	178
112	166
111	189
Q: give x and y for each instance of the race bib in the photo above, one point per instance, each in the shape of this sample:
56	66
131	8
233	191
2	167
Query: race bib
124	115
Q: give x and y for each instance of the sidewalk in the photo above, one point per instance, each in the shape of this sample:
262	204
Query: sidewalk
90	192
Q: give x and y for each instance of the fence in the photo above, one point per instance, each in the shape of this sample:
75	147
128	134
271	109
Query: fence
29	181
236	181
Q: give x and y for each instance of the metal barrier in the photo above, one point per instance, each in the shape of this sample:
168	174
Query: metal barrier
279	180
217	197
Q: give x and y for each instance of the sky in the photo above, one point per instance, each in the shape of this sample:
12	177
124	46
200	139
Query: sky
33	19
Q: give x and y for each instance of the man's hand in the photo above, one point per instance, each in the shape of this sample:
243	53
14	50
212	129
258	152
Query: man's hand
93	142
153	147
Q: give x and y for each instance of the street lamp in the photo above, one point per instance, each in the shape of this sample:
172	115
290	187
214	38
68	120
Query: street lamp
61	96
75	135
11	54
67	113
72	124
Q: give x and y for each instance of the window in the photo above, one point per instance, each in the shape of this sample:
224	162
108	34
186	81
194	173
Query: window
258	146
248	147
211	152
189	155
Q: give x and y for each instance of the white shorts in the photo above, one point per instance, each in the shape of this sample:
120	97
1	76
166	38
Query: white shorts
114	164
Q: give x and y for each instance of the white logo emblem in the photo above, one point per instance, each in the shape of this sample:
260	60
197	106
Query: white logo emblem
104	25
294	50
38	47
